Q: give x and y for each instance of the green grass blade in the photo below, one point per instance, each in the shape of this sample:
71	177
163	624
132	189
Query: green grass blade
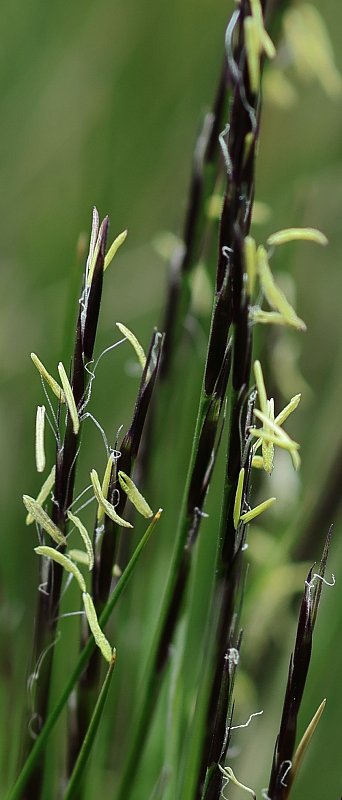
88	742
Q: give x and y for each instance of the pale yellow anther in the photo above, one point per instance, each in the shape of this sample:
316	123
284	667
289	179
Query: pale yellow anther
64	561
85	536
114	248
42	518
54	386
289	408
100	639
255	512
39	443
274	296
282	442
268	447
134	342
296	235
93	253
105	489
260	384
265	40
108	507
270	425
134	495
258	462
80	556
69	398
267	317
252	43
43	493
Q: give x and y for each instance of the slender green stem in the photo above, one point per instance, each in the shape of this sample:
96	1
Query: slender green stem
80	765
153	675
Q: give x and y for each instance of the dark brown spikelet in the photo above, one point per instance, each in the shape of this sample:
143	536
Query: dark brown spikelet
281	778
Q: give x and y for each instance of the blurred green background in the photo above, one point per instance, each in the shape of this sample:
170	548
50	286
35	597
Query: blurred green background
100	104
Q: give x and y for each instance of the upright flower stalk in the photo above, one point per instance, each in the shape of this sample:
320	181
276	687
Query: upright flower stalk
230	311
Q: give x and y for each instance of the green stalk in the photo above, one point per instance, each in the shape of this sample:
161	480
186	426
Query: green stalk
16	792
154	673
88	741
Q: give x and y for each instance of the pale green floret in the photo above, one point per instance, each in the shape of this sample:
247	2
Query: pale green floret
54	386
80	556
43	493
134	495
69	398
42	518
274	296
252	43
134	342
86	538
114	249
108	508
64	561
39	443
238	498
100	639
105	488
297	234
254	512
